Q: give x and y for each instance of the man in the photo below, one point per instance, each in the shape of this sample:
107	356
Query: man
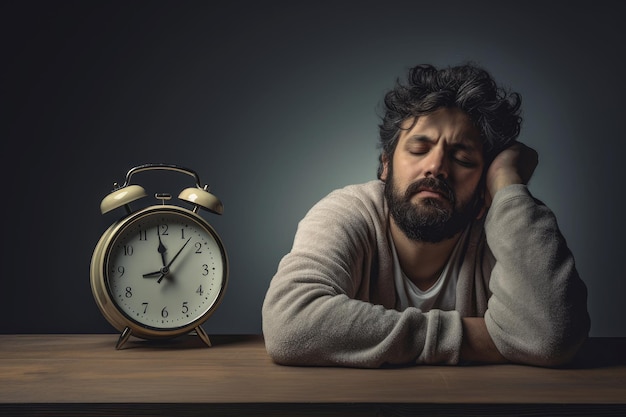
446	259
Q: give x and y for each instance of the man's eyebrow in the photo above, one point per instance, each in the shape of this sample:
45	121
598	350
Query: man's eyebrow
464	144
420	138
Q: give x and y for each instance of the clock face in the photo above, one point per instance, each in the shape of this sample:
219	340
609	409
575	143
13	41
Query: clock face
164	269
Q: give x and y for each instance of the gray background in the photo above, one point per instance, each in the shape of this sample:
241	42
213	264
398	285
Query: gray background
275	104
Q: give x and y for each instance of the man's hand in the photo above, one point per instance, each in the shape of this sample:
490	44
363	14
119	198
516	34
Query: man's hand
514	165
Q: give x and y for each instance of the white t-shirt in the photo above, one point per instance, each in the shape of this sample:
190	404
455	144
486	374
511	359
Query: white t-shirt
441	296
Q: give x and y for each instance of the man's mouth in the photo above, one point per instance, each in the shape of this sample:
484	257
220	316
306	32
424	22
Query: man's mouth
431	188
430	192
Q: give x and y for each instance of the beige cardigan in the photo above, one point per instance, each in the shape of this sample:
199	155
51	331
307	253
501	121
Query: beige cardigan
332	300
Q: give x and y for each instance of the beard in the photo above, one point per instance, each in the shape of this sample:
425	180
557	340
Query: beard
430	220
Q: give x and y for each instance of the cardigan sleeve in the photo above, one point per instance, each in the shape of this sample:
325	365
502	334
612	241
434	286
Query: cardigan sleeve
317	310
537	313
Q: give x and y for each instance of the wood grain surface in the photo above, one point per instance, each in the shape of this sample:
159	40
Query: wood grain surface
59	373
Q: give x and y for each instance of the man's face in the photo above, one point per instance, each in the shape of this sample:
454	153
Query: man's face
432	181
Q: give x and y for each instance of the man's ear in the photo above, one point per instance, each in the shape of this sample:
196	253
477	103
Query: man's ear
385	161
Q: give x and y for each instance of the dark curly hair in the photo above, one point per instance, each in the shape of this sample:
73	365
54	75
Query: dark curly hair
494	110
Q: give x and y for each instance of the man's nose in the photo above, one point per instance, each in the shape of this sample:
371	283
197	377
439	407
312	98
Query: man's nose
437	164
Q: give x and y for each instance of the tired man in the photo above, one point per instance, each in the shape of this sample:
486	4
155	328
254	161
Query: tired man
447	258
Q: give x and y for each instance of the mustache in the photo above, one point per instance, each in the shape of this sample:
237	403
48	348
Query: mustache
433	184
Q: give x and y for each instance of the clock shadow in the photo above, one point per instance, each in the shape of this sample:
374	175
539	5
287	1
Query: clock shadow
189	341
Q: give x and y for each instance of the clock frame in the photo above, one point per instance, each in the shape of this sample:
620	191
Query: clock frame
183	276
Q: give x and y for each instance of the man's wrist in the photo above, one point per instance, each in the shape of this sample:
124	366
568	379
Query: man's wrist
503	181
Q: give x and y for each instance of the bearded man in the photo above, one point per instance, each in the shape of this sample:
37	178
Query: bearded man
446	258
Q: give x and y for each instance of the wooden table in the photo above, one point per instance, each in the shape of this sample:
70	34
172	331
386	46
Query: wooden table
86	375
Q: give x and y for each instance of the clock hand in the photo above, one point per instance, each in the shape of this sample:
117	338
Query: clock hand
178	253
161	247
166	268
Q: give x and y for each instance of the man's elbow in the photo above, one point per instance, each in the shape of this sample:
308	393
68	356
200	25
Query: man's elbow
287	346
561	342
287	342
556	352
552	345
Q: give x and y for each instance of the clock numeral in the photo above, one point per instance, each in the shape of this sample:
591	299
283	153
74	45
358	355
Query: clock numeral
164	312
198	247
121	270
129	292
145	307
143	235
128	250
185	307
200	291
205	269
164	229
182	233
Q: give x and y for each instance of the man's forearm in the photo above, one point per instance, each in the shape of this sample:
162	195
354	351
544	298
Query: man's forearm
477	345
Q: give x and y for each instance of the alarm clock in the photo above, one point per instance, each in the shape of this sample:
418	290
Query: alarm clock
161	271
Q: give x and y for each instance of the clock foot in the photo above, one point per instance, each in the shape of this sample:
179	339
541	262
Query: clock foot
123	338
202	335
